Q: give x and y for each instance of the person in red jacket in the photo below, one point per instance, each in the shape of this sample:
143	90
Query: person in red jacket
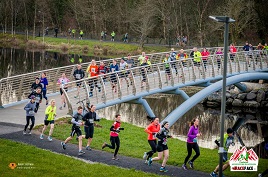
232	51
93	71
205	53
152	130
114	138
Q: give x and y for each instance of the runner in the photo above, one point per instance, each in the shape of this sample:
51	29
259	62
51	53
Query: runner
141	58
38	98
227	141
93	71
205	53
112	35
50	114
113	69
173	58
89	119
29	108
123	74
162	147
36	84
219	56
62	82
44	83
130	63
197	58
103	69
166	62
193	134
78	75
77	122
114	136
152	130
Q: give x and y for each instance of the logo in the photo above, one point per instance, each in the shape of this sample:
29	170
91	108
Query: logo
12	165
244	160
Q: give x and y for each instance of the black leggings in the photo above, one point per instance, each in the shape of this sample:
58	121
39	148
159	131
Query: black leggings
191	146
93	82
28	122
114	141
153	145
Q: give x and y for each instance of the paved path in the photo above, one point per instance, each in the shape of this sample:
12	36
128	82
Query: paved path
14	132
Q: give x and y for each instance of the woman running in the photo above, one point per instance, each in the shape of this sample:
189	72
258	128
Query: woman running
114	138
192	143
44	83
162	147
152	130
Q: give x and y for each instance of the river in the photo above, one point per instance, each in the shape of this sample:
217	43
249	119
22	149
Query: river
17	61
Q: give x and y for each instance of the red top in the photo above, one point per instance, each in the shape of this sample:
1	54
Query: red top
116	126
152	128
93	70
205	55
232	49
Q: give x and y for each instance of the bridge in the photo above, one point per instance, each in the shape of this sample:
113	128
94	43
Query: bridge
141	81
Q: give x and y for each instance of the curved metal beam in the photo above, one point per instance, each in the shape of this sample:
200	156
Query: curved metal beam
196	98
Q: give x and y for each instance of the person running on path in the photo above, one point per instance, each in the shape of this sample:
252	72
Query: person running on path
205	53
62	82
232	51
143	70
93	71
50	115
89	119
162	147
81	34
103	69
166	62
112	35
152	130
126	38
141	58
44	83
29	108
228	140
77	122
123	74
193	134
114	136
197	58
36	84
38	98
78	75
219	56
173	58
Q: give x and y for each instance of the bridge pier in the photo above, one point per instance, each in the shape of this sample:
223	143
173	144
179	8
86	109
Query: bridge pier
242	87
145	104
179	92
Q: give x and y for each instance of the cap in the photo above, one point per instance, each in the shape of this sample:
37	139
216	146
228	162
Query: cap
32	97
230	130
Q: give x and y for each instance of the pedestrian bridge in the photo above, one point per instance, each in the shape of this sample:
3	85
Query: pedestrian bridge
132	89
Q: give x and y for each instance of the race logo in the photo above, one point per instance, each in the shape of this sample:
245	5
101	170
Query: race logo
244	160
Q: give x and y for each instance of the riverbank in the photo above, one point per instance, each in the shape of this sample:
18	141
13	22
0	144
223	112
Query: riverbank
105	49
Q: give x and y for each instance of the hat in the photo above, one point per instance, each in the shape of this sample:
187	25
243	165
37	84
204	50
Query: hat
37	78
230	130
164	123
32	97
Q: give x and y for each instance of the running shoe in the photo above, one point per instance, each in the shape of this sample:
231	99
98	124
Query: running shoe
47	102
64	105
29	132
103	145
41	136
146	161
24	132
90	95
144	155
60	108
163	169
115	158
213	174
49	138
99	90
259	175
88	148
63	145
191	164
150	161
81	152
184	167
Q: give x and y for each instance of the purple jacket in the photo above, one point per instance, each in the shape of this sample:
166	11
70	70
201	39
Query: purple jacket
192	134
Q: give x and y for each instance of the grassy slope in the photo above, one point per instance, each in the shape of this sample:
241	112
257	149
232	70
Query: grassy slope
46	163
134	144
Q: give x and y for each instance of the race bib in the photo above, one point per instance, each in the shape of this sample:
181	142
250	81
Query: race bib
91	121
77	76
31	112
37	99
113	69
92	69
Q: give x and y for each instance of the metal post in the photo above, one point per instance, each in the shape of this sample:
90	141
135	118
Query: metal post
223	101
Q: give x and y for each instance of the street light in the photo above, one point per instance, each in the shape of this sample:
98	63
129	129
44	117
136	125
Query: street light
225	20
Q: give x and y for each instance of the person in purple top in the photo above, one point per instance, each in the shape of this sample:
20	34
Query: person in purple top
193	134
44	83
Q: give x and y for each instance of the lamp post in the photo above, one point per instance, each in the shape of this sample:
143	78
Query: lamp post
225	20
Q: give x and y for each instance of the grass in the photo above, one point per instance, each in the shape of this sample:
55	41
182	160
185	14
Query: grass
134	143
32	161
106	49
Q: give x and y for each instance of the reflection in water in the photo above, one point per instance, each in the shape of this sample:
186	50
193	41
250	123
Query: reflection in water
162	105
19	61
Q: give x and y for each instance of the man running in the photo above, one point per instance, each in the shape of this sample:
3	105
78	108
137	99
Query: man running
50	114
77	122
114	136
89	119
36	84
29	108
78	75
172	56
38	98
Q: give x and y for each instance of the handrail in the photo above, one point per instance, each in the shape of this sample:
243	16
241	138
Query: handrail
16	88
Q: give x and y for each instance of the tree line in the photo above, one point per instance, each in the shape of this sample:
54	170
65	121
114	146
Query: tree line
164	19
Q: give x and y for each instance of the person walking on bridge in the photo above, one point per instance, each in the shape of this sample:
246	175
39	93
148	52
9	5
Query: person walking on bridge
29	108
193	134
152	130
50	114
162	147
